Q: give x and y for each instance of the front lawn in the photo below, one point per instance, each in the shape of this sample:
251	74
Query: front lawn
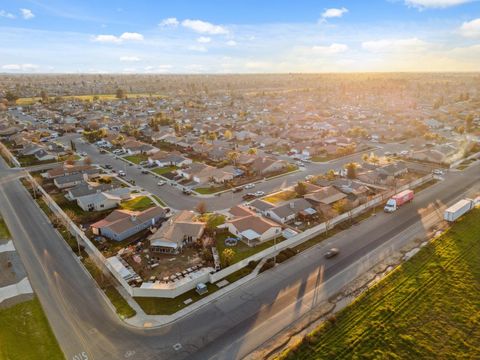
241	250
164	170
212	189
26	334
159	200
428	308
76	213
139	203
136	159
31	160
281	196
4	233
165	306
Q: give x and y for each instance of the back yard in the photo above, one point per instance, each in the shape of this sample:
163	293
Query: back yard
428	308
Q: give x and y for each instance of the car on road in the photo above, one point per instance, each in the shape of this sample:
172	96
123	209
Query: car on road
187	191
249	186
260	193
331	253
437	172
108	166
388	153
309	177
83	153
404	153
122	173
161	183
249	196
103	151
237	189
145	171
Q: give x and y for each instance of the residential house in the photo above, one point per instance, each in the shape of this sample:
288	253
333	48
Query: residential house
121	224
261	206
162	159
134	147
291	210
103	200
178	231
266	165
250	227
69	170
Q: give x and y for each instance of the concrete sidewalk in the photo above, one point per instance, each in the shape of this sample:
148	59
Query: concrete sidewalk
22	287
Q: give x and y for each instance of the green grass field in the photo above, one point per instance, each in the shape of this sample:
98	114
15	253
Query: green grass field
25	333
136	159
164	170
429	308
281	196
139	203
4	233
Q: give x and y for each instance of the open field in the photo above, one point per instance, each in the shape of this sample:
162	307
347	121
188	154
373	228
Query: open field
25	333
428	308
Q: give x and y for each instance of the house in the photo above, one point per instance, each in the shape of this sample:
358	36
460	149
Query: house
162	159
133	147
178	231
266	165
291	210
394	169
103	200
121	224
250	227
261	206
202	173
66	181
69	170
326	195
86	188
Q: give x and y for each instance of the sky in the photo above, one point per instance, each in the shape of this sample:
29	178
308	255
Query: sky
247	36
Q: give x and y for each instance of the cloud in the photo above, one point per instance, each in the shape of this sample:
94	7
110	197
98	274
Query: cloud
131	36
5	14
27	14
422	4
199	48
334	13
164	68
204	39
18	67
471	28
204	27
387	45
330	49
169	22
231	43
126	36
129	58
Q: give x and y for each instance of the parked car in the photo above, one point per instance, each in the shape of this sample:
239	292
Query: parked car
331	253
103	151
309	177
388	153
83	153
108	166
259	193
437	172
161	182
145	171
186	191
249	186
122	173
237	189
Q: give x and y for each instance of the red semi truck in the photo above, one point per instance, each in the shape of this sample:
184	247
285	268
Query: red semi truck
398	200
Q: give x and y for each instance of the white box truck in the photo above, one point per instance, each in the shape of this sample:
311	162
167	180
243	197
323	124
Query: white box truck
458	209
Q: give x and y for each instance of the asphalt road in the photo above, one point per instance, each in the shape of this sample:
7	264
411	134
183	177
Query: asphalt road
174	198
227	328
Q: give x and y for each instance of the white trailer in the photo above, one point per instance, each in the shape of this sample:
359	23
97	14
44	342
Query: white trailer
458	209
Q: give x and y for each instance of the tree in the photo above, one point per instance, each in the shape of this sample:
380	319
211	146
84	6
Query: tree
351	170
87	161
44	96
120	94
330	175
228	134
11	97
340	206
228	256
201	207
365	157
252	151
469	122
72	146
301	188
70	160
233	157
212	136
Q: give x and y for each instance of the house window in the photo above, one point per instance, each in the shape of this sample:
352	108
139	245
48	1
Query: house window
101	205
